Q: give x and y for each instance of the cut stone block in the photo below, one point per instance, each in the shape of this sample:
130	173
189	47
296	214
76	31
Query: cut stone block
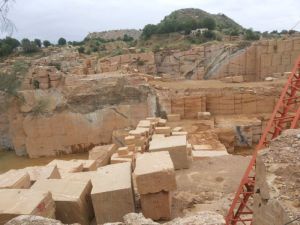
65	166
144	124
154	136
15	202
176	146
177	129
72	199
154	172
42	172
179	133
131	148
88	165
163	130
157	206
123	151
129	140
112	193
205	154
173	117
204	115
202	147
81	176
16	179
162	122
102	154
115	158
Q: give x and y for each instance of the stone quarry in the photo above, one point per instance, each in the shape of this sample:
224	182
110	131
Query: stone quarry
165	136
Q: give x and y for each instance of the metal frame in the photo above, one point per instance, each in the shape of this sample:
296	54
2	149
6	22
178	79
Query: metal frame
285	115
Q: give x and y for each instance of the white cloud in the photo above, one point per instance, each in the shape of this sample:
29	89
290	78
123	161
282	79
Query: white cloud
73	19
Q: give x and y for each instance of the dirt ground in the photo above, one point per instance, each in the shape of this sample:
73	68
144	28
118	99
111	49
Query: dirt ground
209	184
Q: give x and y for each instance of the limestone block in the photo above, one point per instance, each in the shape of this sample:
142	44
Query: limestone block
102	154
154	172
173	117
144	124
122	151
112	193
88	165
204	116
157	205
115	158
72	199
176	146
42	172
198	155
162	122
131	148
177	129
163	130
179	133
237	79
154	136
129	140
65	166
15	179
15	202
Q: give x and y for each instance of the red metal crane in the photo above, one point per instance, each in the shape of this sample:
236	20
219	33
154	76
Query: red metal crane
285	115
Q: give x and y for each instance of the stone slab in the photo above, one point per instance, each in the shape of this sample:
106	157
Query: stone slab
15	202
176	146
157	206
102	154
112	193
16	179
154	172
72	199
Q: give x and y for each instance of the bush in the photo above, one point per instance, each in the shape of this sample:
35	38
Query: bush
149	30
210	35
46	43
156	48
127	38
38	42
40	107
250	35
29	46
62	41
209	23
81	49
10	82
8	45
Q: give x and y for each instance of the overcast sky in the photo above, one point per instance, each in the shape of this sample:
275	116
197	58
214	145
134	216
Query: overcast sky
74	19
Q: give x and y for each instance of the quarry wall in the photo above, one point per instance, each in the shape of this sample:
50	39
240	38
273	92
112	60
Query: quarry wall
262	59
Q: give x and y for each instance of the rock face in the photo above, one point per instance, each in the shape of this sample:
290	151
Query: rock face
278	188
98	104
262	59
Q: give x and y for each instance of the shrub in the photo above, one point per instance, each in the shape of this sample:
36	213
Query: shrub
210	35
62	41
46	43
7	46
149	30
250	35
209	23
156	48
81	49
40	107
127	38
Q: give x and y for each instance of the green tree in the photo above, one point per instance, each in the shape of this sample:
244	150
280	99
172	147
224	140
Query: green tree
62	41
127	38
149	30
81	49
46	43
8	45
209	23
250	35
28	46
38	42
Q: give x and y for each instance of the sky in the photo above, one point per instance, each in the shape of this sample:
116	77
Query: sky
74	19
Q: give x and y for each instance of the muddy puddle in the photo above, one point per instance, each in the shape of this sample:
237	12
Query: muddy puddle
9	160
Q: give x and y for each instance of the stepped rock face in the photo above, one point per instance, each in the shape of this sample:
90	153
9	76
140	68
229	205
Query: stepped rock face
80	115
262	59
278	188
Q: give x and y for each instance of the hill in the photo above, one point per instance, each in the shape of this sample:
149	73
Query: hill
189	19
